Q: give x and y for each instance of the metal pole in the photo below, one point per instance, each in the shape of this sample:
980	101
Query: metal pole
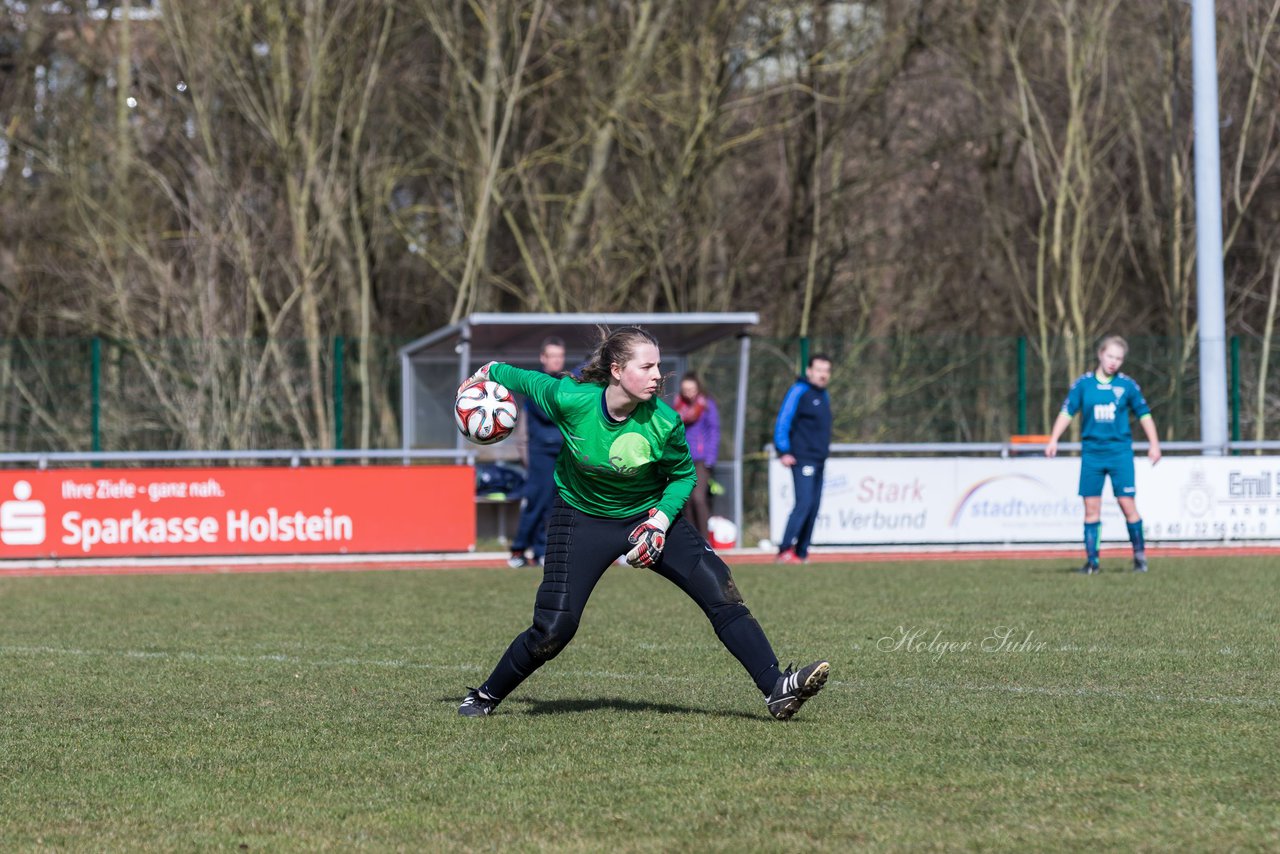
1209	297
464	371
95	391
1022	386
739	433
339	356
408	417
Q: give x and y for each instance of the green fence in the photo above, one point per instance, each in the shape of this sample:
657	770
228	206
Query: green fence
110	395
960	389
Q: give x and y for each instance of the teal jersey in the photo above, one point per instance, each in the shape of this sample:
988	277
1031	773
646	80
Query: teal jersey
1104	408
605	467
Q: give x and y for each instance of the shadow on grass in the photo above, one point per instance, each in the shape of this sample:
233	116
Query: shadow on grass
591	704
535	706
1117	569
1049	568
1054	568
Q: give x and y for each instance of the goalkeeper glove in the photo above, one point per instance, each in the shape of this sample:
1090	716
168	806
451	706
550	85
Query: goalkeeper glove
649	538
479	376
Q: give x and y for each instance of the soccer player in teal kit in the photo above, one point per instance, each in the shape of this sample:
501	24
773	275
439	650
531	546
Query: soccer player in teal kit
1105	398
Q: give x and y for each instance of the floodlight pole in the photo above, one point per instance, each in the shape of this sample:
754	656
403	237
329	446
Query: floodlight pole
1209	288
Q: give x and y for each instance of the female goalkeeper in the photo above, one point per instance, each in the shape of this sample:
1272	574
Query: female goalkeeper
622	476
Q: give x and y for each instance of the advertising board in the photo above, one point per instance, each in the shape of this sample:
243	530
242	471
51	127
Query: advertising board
86	513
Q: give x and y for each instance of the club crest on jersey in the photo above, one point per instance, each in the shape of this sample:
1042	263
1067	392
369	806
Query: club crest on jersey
1118	392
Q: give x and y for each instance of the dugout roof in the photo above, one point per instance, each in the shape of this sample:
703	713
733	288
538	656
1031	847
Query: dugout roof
504	336
432	366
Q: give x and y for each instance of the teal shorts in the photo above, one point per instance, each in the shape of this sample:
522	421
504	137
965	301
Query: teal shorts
1097	465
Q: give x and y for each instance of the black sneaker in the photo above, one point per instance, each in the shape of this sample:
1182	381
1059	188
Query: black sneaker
1140	563
794	687
476	706
1090	568
517	560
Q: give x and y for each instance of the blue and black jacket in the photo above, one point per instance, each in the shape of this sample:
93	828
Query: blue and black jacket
803	428
545	437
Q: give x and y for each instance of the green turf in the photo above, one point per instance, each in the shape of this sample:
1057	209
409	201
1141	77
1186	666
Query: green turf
318	711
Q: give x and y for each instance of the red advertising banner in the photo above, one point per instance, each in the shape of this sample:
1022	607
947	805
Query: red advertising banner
83	513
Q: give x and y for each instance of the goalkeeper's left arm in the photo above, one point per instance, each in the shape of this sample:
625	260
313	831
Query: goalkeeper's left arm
539	387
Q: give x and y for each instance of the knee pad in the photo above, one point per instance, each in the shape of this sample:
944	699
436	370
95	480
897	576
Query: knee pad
550	633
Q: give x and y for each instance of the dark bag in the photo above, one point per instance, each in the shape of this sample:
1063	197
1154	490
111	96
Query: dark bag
499	480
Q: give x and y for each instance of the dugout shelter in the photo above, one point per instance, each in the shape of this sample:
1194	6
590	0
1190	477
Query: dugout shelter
716	344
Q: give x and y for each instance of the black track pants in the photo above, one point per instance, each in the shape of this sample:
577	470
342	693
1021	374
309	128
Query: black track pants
580	547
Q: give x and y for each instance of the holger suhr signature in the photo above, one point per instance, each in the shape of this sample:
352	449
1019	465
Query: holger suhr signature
1001	639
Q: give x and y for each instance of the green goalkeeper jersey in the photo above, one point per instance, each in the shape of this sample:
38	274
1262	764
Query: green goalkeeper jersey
605	467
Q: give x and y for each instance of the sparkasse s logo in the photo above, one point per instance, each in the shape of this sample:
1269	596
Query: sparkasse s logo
22	521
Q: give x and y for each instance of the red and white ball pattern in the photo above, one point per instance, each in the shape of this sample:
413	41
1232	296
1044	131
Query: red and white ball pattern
485	412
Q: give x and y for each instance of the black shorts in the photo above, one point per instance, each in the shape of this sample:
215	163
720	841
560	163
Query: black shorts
581	547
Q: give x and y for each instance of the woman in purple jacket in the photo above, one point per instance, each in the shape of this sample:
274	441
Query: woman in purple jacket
702	431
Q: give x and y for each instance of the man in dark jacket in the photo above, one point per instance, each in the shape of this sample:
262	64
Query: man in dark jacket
802	437
539	486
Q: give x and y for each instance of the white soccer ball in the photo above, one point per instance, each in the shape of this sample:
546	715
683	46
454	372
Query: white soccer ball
485	412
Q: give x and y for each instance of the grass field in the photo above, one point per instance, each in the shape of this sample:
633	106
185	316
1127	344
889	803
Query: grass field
318	711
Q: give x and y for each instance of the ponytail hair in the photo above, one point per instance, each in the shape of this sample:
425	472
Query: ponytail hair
616	347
